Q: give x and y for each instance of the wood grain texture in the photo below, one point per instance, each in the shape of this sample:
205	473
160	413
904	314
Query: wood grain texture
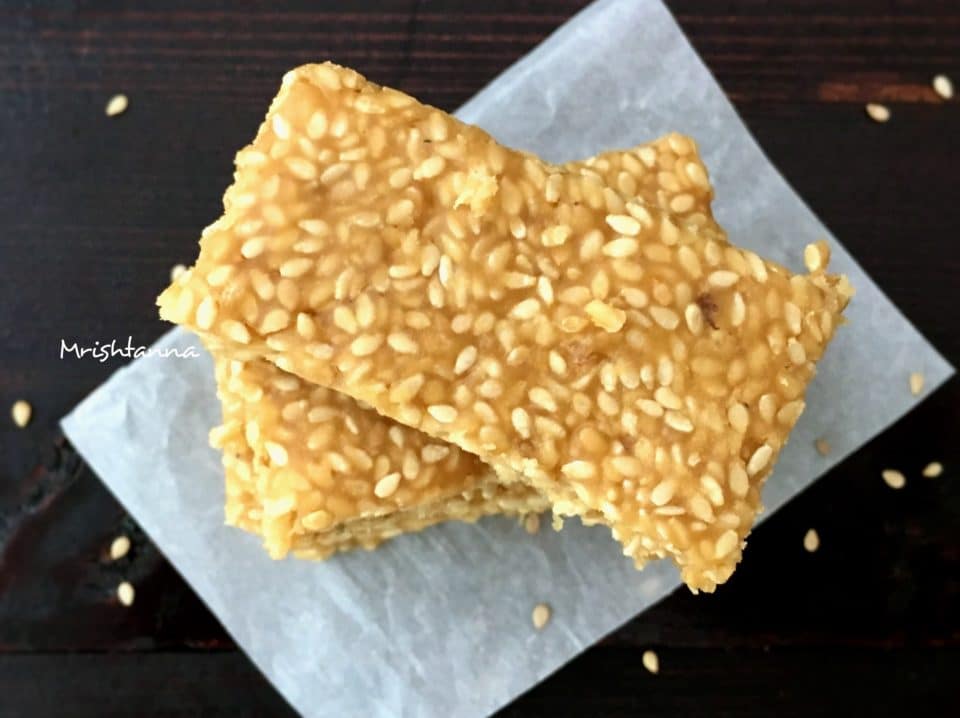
95	211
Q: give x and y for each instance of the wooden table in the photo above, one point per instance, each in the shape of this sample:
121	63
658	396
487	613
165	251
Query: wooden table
94	212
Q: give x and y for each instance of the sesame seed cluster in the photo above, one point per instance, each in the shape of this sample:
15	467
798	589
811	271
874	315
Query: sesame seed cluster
312	471
586	329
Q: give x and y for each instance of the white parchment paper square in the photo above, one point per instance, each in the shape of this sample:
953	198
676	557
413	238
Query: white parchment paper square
438	623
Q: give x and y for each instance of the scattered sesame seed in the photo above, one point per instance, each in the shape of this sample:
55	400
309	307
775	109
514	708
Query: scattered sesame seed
119	548
916	383
933	469
943	86
878	112
541	615
651	661
823	446
531	523
21	413
117	105
811	540
125	593
176	271
895	479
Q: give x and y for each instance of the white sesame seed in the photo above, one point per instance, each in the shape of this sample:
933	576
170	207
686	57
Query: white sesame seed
542	398
663	492
366	344
761	457
21	413
236	331
678	422
933	470
119	547
177	271
823	446
727	542
916	383
893	478
878	112
608	318
116	105
621	247
125	593
402	343
555	236
943	86
444	413
651	662
386	486
527	309
666	318
624	224
465	359
811	540
429	168
579	469
276	452
531	523
281	128
541	615
723	278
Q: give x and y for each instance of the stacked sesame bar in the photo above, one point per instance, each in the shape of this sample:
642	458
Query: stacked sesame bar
588	333
350	500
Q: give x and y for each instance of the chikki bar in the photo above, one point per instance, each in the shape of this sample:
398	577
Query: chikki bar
258	399
312	471
631	366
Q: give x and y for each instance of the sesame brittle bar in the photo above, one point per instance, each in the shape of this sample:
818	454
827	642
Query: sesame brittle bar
312	471
275	492
632	366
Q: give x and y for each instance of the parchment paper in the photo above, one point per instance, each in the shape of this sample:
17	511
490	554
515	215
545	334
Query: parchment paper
438	624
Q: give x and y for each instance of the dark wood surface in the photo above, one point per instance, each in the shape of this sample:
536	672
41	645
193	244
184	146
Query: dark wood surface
94	212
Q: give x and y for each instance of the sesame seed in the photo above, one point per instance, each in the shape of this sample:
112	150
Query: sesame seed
177	271
608	318
811	540
878	112
943	86
277	453
579	469
727	542
125	593
761	457
916	383
678	422
723	278
531	523
666	318
465	359
893	478
527	309
933	470
21	413
119	547
387	485
116	105
402	343
541	615
366	344
651	661
624	224
555	236
621	247
444	413
823	446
